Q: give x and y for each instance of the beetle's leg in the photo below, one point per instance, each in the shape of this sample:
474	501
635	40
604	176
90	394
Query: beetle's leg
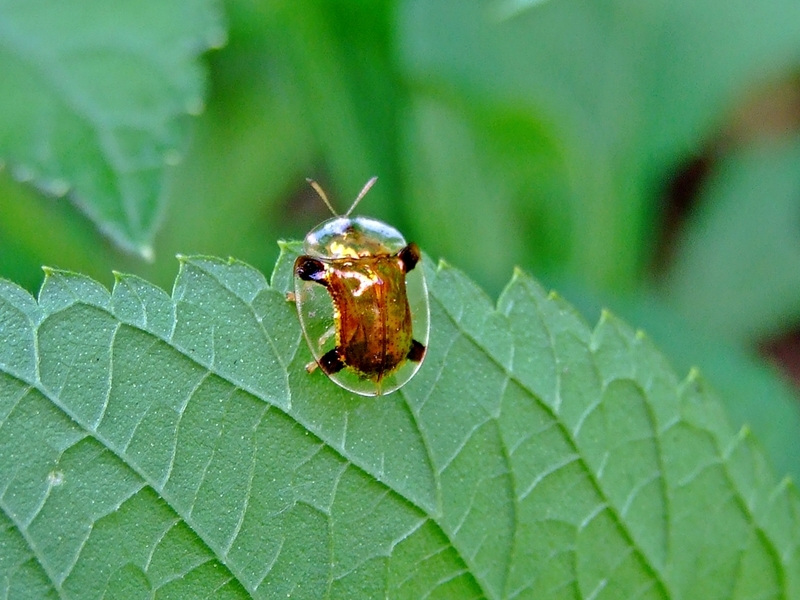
409	257
291	297
417	351
310	269
331	362
312	366
327	335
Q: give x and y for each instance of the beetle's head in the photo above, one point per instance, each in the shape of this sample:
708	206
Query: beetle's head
352	237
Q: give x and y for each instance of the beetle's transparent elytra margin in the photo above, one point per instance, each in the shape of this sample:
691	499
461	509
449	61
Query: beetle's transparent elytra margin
360	280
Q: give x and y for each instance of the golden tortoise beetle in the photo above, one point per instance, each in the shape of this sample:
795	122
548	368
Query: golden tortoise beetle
363	306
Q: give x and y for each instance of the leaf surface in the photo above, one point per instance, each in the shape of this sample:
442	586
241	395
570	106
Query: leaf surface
752	392
95	100
175	446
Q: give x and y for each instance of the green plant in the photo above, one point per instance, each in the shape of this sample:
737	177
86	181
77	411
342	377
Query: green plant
173	445
176	446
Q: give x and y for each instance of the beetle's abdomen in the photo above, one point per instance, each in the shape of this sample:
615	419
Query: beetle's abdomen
371	314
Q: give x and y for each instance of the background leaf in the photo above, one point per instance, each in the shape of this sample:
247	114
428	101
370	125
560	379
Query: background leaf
95	102
737	264
577	111
547	140
175	444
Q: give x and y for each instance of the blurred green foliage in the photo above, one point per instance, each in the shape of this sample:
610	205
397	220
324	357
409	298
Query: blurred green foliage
542	134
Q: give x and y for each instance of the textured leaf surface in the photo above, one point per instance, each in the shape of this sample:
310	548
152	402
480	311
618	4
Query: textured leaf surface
751	391
94	101
174	445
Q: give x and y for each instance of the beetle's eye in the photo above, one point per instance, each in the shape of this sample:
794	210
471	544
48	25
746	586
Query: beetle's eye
409	256
309	269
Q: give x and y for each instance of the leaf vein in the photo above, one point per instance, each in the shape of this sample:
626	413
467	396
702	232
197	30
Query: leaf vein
251	476
181	410
35	551
428	455
54	398
553	411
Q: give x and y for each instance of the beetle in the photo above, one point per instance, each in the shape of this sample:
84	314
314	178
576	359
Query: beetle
362	301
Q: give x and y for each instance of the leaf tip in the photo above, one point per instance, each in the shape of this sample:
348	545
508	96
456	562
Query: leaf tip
744	432
217	39
694	377
195	106
517	274
120	277
147	253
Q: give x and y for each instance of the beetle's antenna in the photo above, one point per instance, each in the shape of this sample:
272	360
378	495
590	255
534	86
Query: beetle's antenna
361	194
322	195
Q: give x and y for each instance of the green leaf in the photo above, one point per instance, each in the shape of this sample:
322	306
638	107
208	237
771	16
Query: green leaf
507	9
600	100
442	143
753	392
95	99
737	265
175	445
